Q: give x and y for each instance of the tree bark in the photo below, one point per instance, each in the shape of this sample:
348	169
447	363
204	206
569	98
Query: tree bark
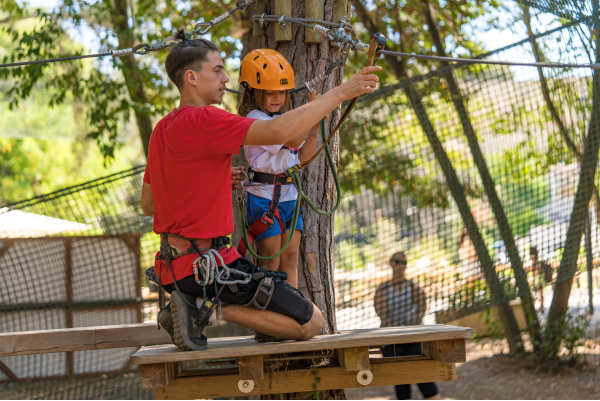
315	262
585	189
573	148
487	181
133	81
458	193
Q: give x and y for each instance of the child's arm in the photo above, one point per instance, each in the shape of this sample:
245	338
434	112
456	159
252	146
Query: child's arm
311	139
291	124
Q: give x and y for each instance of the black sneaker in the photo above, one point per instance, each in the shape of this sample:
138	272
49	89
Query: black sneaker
265	338
165	318
187	335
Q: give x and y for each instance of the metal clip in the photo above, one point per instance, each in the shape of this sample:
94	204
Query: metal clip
282	21
121	53
262	20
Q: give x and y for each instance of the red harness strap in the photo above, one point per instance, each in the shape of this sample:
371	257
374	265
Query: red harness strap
268	218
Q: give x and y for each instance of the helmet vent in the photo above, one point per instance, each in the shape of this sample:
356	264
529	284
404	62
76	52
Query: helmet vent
280	66
264	66
256	57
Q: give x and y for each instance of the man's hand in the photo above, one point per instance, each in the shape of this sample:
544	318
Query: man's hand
237	177
360	83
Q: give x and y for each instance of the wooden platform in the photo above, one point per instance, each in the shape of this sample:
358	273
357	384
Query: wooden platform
244	363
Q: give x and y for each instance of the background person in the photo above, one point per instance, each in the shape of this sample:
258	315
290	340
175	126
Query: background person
402	302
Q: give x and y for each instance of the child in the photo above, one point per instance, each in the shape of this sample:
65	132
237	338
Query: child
267	77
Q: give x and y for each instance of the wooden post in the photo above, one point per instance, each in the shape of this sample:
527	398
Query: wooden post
69	298
313	9
446	351
354	359
160	374
283	33
260	9
341	9
251	367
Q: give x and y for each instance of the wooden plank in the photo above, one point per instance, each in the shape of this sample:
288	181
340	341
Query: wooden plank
313	9
354	359
283	33
446	351
251	367
233	347
302	380
260	9
160	374
81	339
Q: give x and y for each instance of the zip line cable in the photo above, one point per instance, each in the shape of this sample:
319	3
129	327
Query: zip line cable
593	66
338	34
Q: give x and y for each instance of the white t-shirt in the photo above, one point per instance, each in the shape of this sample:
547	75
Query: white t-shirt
272	159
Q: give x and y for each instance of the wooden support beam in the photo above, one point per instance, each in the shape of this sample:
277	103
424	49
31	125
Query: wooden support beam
260	9
81	339
313	9
11	376
251	367
293	381
6	247
160	374
354	359
283	33
446	351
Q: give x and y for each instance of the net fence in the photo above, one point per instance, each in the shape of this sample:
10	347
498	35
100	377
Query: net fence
59	253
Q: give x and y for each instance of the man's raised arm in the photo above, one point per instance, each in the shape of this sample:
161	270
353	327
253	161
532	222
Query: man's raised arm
302	119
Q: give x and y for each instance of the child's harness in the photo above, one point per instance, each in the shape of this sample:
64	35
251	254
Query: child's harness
268	218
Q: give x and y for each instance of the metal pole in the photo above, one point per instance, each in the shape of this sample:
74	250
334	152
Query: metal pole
590	261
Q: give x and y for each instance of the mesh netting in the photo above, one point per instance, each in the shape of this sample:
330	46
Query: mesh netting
74	258
573	10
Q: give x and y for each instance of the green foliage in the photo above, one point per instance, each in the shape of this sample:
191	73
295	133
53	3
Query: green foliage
314	395
571	335
110	91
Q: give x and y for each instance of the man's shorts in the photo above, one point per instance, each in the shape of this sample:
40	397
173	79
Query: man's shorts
286	299
256	207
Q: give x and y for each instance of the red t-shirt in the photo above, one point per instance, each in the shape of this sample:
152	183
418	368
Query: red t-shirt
189	169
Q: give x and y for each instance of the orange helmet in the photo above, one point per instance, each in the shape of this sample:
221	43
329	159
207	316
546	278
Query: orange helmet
267	69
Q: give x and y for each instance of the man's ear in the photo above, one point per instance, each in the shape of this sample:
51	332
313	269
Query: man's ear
190	77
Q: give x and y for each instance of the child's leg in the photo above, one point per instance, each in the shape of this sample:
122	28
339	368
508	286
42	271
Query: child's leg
289	258
267	247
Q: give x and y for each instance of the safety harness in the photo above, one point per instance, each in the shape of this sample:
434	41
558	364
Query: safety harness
207	271
267	220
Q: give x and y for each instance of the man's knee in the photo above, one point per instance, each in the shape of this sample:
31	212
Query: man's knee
314	325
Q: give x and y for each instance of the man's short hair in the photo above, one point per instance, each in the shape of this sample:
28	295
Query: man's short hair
189	54
398	254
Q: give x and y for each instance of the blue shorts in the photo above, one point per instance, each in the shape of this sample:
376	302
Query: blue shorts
257	206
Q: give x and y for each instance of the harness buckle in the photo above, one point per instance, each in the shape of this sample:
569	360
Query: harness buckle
269	222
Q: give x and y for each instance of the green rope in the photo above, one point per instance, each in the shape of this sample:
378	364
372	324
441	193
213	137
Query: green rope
301	195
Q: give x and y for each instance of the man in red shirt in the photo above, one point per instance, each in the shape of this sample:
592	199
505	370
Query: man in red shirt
187	187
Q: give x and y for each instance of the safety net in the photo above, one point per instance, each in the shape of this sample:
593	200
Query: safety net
76	257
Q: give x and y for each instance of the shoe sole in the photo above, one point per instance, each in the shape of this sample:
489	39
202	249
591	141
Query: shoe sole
167	324
180	337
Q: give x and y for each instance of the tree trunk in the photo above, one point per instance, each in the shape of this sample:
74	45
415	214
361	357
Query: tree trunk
585	189
134	83
488	183
458	193
573	148
315	264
